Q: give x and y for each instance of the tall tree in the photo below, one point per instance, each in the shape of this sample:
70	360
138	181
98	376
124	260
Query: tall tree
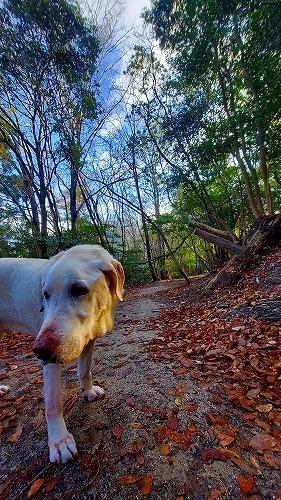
215	49
48	52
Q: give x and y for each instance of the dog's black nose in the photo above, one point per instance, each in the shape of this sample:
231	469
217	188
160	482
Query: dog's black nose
44	354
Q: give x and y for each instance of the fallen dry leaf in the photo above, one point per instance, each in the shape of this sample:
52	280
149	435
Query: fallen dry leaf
15	437
271	460
51	483
35	487
164	449
146	484
139	459
224	438
213	454
264	408
191	427
178	401
172	422
250	469
217	492
129	479
37	421
96	436
117	430
245	484
34	369
136	425
175	436
191	406
262	442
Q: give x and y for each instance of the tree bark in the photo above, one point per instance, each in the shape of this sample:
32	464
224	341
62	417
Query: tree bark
218	241
267	235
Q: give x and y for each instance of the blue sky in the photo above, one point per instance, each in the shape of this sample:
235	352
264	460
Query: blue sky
134	8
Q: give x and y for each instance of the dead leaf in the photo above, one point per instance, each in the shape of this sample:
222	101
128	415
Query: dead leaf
129	479
185	362
213	454
146	484
224	438
117	430
136	425
264	408
35	487
255	463
164	449
51	483
191	427
175	436
217	492
276	417
34	369
245	466
96	436
262	442
191	406
245	484
15	437
271	460
214	399
137	446
146	439
139	459
160	434
172	422
37	421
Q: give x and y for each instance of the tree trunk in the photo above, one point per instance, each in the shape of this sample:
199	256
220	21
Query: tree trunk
259	125
222	239
218	241
267	235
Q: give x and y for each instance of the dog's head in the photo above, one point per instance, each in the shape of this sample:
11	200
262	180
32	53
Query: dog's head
80	290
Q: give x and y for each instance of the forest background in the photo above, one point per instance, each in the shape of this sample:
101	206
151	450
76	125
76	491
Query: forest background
154	148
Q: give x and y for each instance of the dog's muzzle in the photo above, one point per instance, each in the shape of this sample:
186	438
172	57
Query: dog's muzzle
45	348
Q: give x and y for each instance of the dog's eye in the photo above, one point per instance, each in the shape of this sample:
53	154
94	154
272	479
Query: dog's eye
78	290
46	295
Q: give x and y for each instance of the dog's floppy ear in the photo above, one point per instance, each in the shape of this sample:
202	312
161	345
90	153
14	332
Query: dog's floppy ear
49	264
115	276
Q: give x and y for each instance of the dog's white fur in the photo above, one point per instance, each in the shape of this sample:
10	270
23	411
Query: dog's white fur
66	302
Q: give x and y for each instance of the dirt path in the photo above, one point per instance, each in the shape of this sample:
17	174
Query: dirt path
146	439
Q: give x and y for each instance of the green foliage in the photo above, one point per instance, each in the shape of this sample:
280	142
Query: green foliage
41	36
225	81
135	267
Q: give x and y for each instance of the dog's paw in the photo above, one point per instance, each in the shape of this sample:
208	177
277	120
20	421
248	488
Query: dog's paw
4	389
63	451
96	392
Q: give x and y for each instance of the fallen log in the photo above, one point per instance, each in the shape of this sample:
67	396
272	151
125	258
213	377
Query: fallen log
268	234
218	241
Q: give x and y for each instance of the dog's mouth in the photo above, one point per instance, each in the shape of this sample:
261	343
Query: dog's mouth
50	361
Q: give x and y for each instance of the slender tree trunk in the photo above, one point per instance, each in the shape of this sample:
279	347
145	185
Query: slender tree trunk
73	196
258	115
254	206
146	235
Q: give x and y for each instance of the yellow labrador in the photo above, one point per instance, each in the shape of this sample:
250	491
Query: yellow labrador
66	302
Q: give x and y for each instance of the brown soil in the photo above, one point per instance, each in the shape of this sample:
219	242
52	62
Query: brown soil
123	438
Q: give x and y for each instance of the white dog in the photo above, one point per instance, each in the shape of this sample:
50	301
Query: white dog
66	302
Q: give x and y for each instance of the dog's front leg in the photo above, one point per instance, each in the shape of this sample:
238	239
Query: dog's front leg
61	443
90	391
